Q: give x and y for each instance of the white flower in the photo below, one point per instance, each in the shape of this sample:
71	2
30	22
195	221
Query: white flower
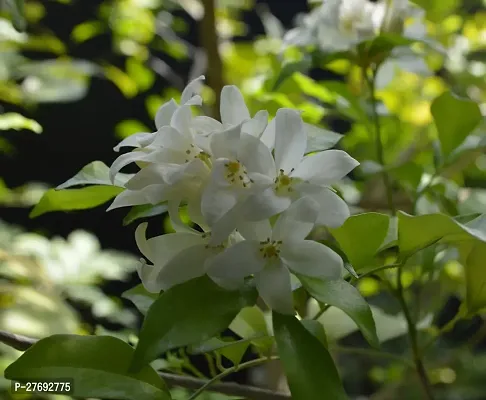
291	176
176	257
269	254
240	161
189	97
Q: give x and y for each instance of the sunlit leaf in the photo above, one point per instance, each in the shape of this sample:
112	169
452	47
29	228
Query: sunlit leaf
18	122
74	199
95	173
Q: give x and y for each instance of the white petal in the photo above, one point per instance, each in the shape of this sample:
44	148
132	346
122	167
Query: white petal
290	139
311	258
165	247
192	89
164	114
264	205
255	156
186	265
195	101
297	221
273	285
141	240
225	144
216	202
148	275
182	120
233	108
268	135
326	167
206	125
224	226
259	231
175	217
333	210
128	198
237	262
169	137
123	161
133	140
256	126
150	175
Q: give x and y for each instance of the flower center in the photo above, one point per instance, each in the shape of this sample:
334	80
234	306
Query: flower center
283	183
237	175
270	249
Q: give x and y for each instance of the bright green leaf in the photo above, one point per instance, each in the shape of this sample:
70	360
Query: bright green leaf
250	323
289	69
98	365
74	199
341	294
86	30
128	127
139	296
186	314
361	237
18	122
123	81
309	368
95	173
416	233
455	119
143	76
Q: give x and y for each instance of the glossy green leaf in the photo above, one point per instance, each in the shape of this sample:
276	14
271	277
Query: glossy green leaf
95	173
361	237
17	122
416	233
144	211
317	329
341	294
309	368
455	119
232	349
74	199
139	296
186	314
98	365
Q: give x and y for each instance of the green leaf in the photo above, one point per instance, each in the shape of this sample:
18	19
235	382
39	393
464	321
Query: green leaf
474	255
17	13
139	296
18	122
455	119
309	368
250	323
342	295
97	364
382	45
361	237
416	233
144	211
316	328
74	199
129	127
186	314
289	69
232	349
95	173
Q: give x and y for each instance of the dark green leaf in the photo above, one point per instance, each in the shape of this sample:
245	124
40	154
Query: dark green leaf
474	258
232	349
186	314
98	365
316	328
139	296
74	199
356	241
455	119
342	295
308	366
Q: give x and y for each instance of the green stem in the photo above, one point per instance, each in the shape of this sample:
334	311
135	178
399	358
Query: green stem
446	328
412	333
228	371
370	353
379	140
321	311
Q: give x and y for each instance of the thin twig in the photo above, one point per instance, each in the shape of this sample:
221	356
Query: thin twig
23	343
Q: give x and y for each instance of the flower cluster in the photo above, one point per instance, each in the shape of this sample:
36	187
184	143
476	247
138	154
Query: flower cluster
340	24
249	186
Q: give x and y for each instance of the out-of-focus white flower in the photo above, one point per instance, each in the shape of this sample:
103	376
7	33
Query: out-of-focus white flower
269	253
